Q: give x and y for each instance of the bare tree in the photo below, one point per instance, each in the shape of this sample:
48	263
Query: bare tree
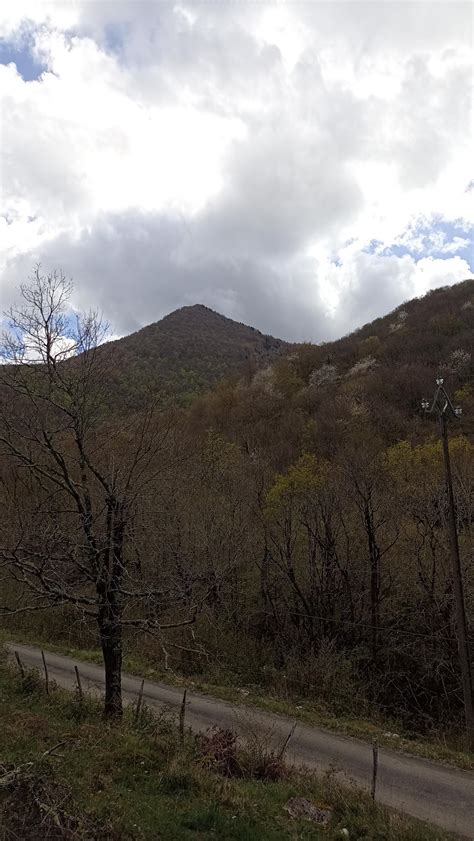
73	479
363	469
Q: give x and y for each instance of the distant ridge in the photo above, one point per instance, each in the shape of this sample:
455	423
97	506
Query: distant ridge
189	350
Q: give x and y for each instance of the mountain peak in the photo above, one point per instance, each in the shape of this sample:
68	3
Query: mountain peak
193	310
185	353
196	313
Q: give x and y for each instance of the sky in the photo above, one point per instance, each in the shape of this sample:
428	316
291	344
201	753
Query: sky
303	167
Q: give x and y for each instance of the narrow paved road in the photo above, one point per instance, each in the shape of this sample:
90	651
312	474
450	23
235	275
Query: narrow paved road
426	790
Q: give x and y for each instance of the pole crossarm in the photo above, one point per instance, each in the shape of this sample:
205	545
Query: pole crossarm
442	404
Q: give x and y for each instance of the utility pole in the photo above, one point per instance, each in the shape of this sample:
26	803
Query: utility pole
443	408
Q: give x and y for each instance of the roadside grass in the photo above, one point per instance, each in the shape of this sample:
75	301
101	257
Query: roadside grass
138	781
391	734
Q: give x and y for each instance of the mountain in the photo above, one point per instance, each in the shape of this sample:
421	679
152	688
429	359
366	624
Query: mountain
383	367
183	355
395	359
314	396
304	500
382	370
387	364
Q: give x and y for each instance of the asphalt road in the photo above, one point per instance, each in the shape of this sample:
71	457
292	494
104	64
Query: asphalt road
426	790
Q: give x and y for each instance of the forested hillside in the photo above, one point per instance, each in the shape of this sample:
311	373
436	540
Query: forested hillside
314	395
287	530
386	364
181	356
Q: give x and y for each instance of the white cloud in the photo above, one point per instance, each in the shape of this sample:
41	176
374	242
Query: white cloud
243	155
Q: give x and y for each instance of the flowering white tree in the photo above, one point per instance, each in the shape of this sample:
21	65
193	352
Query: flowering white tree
327	374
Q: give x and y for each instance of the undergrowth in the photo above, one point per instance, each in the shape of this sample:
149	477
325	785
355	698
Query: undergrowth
441	746
65	773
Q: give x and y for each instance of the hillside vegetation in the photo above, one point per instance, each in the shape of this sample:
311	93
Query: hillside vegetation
391	360
181	356
285	533
64	775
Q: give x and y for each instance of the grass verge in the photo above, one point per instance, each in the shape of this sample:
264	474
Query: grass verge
388	733
138	781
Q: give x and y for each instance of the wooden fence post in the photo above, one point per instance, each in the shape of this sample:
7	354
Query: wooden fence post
20	665
375	756
139	702
79	685
182	714
286	743
46	676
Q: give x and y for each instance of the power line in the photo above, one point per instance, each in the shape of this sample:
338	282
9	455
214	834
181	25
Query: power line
368	625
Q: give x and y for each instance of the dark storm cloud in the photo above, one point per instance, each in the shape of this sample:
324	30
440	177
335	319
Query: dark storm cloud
137	267
303	136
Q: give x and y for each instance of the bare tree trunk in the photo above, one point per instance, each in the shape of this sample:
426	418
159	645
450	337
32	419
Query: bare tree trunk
111	643
374	555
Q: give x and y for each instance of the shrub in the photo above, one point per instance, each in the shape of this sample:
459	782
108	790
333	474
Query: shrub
82	709
31	683
38	807
218	751
260	762
255	759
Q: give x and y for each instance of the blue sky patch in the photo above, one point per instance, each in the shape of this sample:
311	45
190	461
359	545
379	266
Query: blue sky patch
375	246
20	52
399	251
440	239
